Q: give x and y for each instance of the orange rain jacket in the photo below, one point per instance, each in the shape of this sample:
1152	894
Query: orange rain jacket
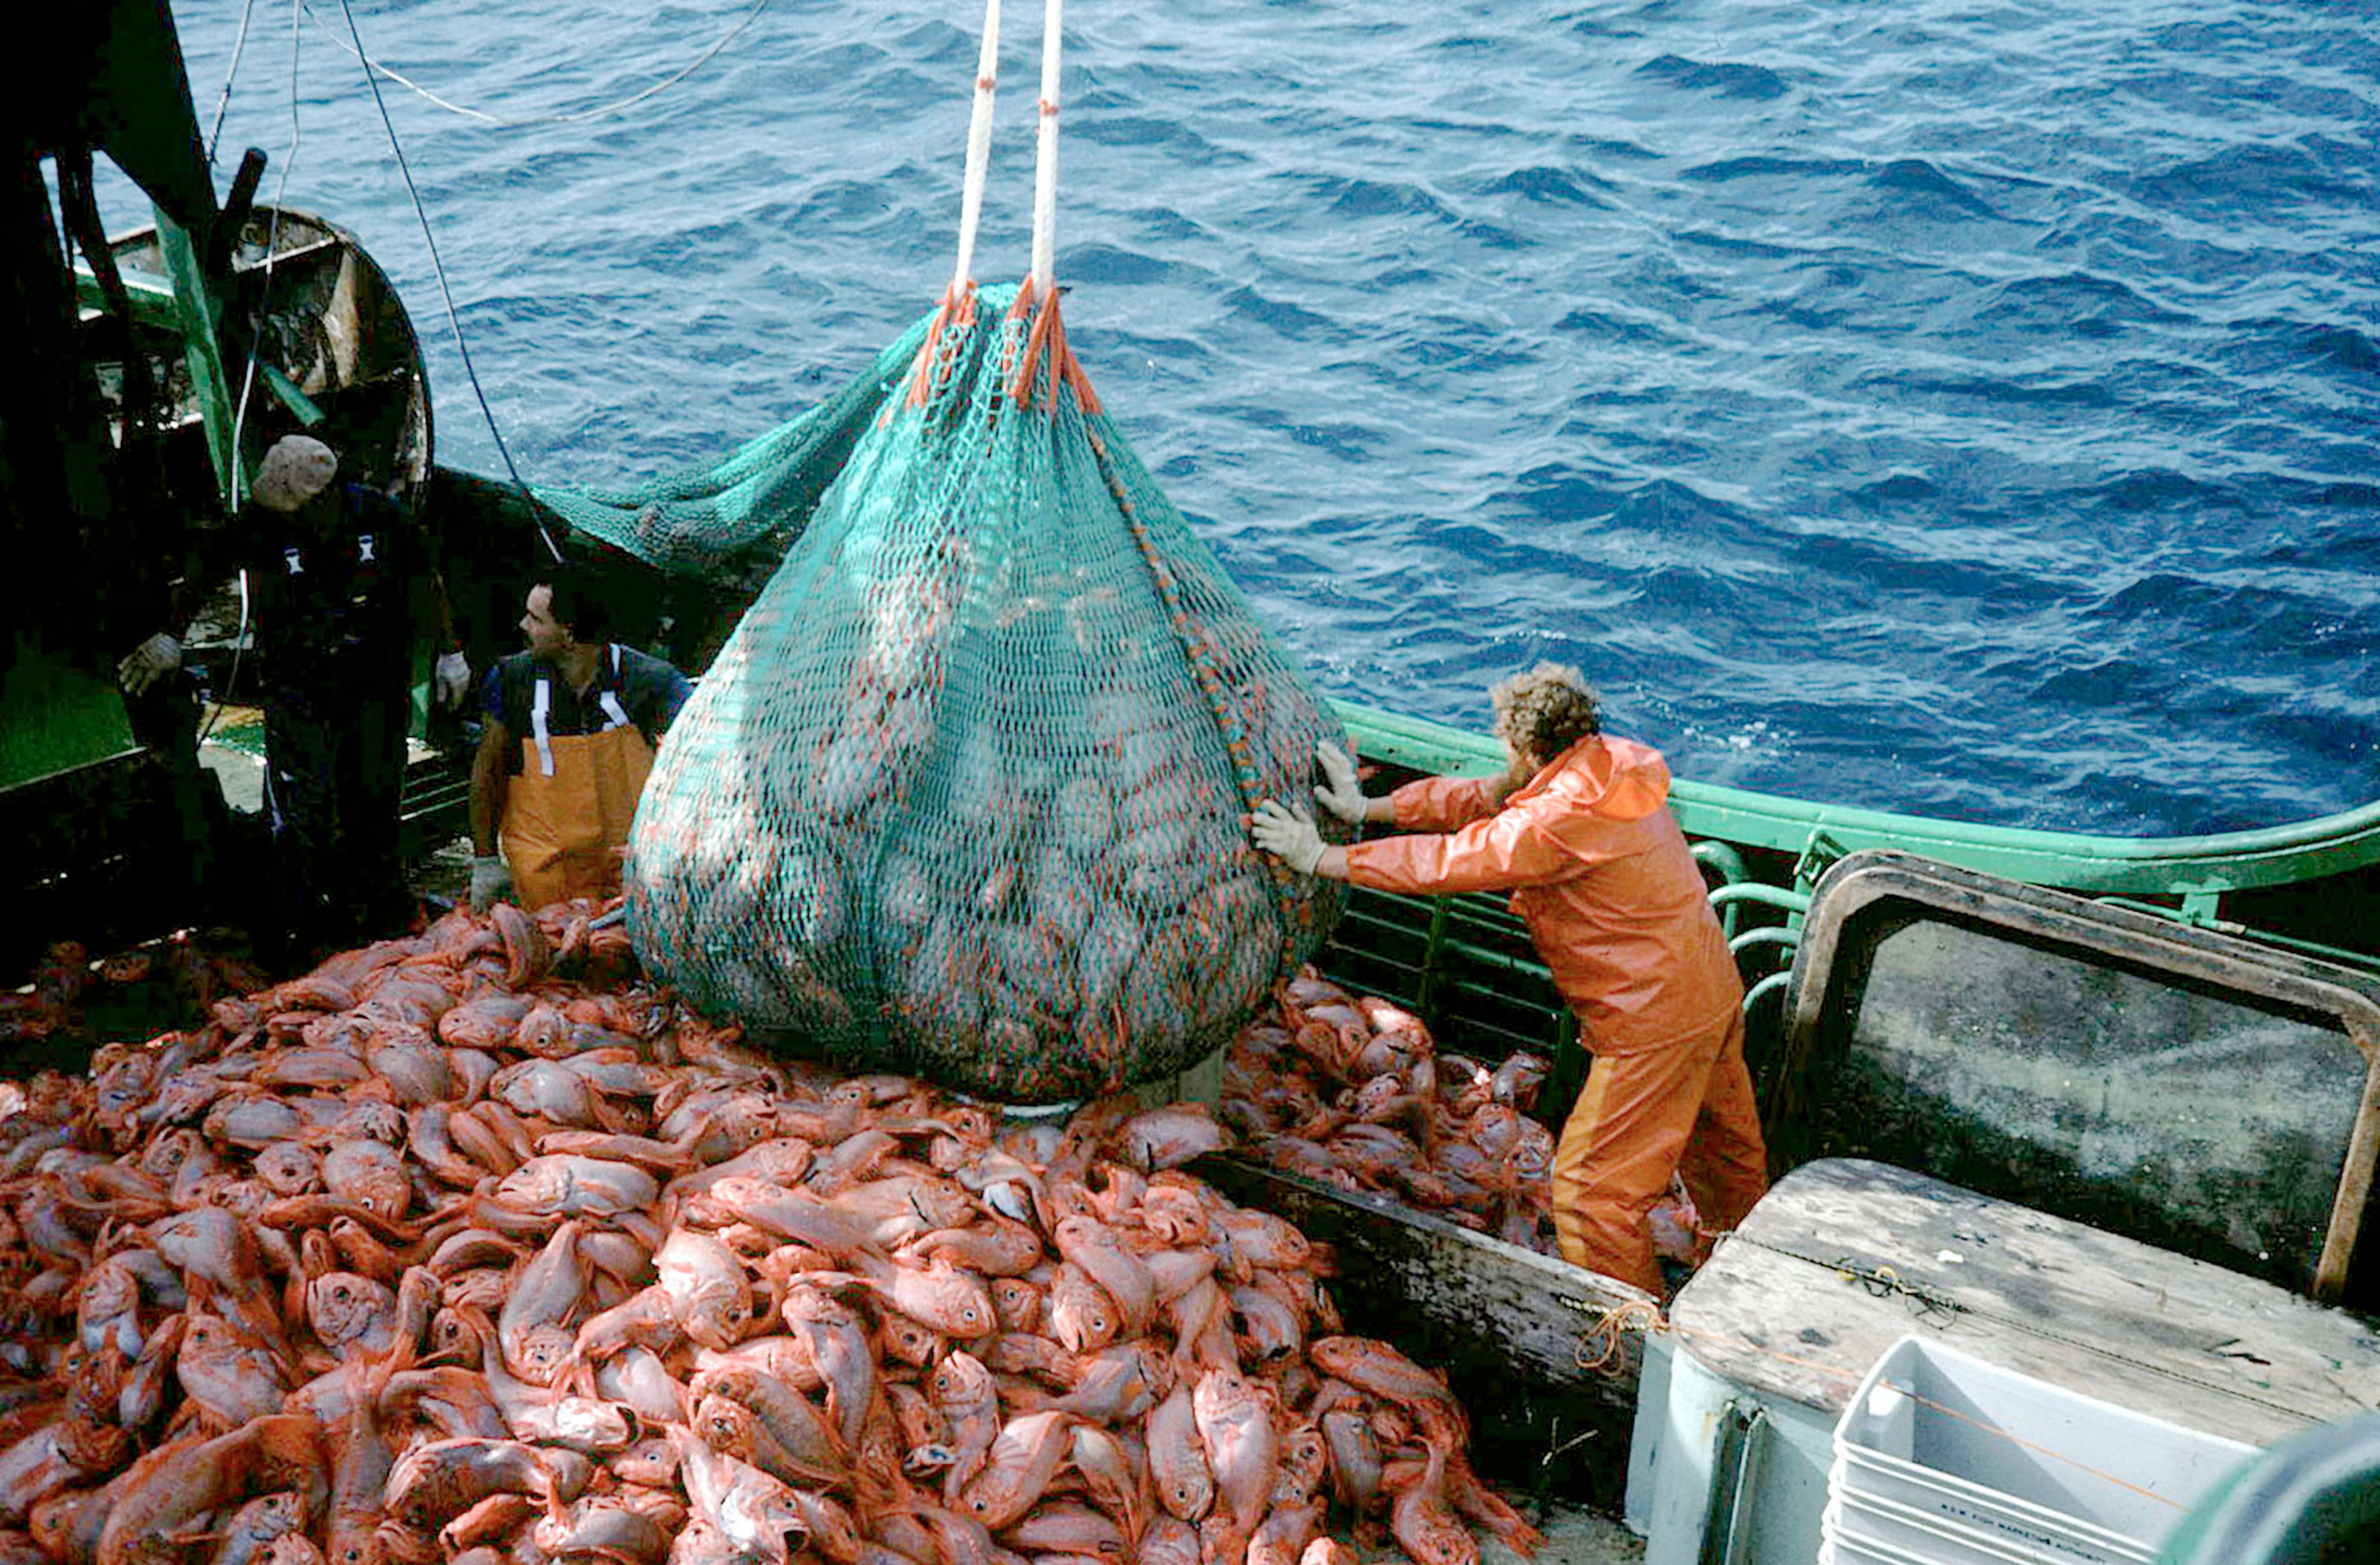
1605	881
1615	903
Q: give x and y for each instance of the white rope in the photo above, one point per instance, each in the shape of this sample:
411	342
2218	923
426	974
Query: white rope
979	155
502	123
240	641
445	287
272	255
222	103
1045	172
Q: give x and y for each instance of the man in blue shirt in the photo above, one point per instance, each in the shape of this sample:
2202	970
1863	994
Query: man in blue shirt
571	727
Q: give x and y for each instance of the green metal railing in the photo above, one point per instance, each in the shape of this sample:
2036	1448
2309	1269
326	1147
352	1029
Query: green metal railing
1725	824
2198	870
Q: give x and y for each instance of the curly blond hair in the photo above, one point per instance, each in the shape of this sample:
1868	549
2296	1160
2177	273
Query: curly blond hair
1544	711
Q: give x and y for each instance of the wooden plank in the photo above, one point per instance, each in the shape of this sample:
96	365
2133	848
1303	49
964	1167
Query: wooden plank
1793	1305
1515	1331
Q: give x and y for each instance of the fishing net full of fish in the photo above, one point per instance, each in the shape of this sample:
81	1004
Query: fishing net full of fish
965	793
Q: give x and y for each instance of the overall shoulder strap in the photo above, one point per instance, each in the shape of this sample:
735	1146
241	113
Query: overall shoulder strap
615	715
541	704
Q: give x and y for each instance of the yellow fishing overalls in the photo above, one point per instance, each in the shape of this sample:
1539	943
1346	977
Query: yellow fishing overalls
566	811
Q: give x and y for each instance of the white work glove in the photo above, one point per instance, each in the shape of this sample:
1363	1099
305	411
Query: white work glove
147	664
451	676
490	879
1341	794
1291	837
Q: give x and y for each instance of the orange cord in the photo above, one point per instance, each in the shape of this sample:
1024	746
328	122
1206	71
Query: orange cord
955	315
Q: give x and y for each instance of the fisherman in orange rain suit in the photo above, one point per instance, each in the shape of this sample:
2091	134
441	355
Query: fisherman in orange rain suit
1576	829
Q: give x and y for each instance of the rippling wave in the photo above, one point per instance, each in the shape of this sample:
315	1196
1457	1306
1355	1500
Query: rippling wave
1951	408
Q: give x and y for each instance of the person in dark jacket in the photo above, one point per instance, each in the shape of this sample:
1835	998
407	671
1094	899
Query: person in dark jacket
1577	830
571	727
338	575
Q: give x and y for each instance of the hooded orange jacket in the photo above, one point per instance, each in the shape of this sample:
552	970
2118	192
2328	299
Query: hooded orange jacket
1600	872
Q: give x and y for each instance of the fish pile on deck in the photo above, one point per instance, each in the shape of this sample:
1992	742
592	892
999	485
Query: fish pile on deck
468	1246
1351	1090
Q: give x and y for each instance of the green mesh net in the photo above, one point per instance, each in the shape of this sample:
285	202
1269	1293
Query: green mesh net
963	794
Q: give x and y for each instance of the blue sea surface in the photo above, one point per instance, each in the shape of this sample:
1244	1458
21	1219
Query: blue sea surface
1965	406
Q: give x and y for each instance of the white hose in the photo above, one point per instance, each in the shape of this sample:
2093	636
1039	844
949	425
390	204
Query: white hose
1045	172
978	157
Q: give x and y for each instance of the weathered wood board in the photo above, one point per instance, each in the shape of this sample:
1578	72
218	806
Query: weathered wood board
1794	1304
1514	1331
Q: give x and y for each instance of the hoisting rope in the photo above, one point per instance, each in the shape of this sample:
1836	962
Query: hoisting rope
1048	337
500	123
453	317
1036	299
978	152
937	357
1045	168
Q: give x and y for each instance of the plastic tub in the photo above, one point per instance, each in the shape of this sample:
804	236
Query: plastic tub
1944	1458
1914	1533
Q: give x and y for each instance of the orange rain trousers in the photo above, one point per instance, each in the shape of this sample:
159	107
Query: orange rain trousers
1686	1107
1616	906
562	835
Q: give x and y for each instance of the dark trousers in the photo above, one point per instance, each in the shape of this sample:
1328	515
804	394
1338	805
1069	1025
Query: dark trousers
334	772
166	721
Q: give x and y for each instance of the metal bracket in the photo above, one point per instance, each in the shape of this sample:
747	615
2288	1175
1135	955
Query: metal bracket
1818	856
1735	1475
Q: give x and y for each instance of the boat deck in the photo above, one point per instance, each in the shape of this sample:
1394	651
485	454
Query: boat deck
1575	1535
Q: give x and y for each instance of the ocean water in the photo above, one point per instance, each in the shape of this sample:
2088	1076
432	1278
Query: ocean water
1966	406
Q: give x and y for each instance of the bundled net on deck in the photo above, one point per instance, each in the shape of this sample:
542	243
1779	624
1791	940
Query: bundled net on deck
963	794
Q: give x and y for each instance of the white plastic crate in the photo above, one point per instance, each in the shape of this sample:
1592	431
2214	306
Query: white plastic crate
1941	1459
1862	1527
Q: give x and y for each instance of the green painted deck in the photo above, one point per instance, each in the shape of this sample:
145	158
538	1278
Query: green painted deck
54	716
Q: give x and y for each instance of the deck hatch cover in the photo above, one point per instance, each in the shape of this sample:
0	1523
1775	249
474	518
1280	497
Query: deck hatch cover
2189	1089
